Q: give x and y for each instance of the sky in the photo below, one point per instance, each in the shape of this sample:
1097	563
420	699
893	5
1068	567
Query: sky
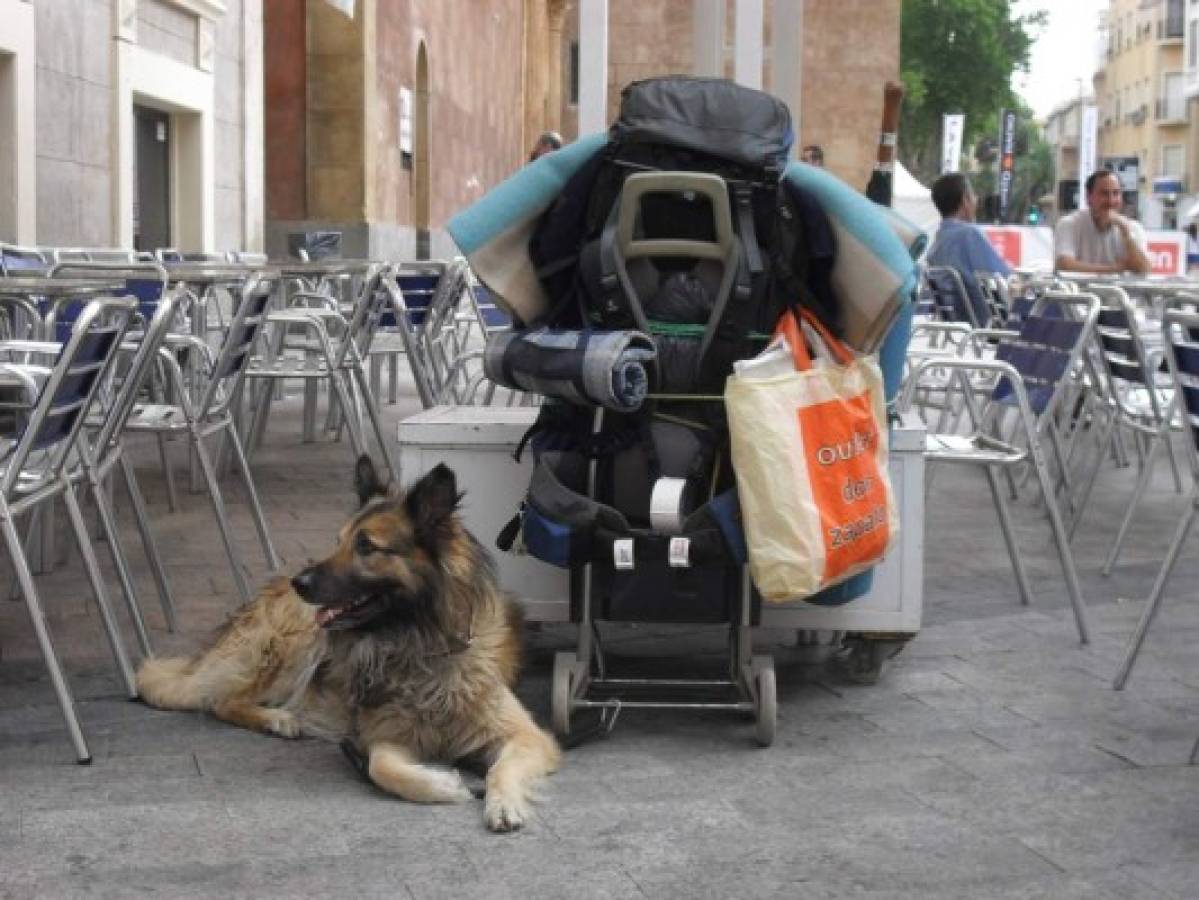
1066	51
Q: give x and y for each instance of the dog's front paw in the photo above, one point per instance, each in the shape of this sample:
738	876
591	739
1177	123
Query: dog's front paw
284	723
503	813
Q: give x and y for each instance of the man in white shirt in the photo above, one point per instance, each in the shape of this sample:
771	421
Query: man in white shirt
1099	239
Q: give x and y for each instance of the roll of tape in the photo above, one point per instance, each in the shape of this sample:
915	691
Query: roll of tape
668	505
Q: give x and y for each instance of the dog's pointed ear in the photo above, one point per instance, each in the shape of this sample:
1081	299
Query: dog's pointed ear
366	480
433	499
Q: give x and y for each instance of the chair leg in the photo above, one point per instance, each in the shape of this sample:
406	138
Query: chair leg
376	364
264	535
310	387
1126	522
165	598
1061	539
222	519
353	426
96	577
1174	467
108	526
1133	648
1009	536
33	604
1105	443
1194	753
372	411
167	473
393	378
262	412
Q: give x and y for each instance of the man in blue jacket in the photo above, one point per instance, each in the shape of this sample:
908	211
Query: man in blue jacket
959	243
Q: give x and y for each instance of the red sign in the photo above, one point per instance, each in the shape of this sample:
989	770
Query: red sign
1165	257
1008	243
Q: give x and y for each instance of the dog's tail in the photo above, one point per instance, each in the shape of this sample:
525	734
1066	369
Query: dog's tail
172	683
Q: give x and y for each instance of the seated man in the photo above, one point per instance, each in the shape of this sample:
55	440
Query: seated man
1099	239
959	244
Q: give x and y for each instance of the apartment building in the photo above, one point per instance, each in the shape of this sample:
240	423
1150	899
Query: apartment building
1144	117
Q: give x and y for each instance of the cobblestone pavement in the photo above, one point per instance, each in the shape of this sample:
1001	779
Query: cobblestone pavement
993	758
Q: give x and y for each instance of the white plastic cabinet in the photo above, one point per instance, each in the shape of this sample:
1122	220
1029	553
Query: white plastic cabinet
477	442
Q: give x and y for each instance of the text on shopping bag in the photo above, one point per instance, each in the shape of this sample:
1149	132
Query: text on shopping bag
841	441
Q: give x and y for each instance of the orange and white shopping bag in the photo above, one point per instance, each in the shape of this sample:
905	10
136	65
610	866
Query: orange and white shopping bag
809	448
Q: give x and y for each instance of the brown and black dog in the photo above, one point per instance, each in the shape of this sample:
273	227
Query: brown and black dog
400	644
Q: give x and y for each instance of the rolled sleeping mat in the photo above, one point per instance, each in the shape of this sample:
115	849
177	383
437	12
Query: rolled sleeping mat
612	369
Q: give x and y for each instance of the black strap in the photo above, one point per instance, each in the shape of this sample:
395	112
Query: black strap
743	197
507	536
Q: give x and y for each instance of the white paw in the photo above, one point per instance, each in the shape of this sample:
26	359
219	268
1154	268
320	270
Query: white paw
447	787
505	813
284	723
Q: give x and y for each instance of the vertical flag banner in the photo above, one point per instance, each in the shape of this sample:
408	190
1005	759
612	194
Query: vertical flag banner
1086	149
951	141
1007	159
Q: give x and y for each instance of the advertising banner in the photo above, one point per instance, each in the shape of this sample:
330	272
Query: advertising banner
951	141
1032	248
1007	159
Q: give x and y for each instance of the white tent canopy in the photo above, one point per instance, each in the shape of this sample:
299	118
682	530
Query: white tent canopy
913	201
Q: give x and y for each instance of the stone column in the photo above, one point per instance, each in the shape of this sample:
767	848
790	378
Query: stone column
593	66
747	43
786	58
708	37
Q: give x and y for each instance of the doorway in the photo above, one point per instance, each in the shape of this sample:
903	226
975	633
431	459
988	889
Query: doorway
151	179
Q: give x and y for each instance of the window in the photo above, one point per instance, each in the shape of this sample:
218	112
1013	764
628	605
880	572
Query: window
1172	160
1173	98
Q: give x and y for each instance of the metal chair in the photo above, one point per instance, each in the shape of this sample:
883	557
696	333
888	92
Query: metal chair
33	472
1181	331
101	449
1135	401
951	302
205	408
1033	370
333	350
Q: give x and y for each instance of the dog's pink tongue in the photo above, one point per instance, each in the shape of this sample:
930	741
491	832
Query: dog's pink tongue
325	615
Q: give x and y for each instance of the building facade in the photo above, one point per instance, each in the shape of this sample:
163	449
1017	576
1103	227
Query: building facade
1144	118
382	124
231	124
131	123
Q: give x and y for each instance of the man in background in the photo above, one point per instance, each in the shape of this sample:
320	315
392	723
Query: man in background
813	155
1098	239
960	244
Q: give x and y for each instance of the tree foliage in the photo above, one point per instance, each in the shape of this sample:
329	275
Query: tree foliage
957	56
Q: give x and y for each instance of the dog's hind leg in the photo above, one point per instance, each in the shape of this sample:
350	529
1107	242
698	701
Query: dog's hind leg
394	769
524	756
169	683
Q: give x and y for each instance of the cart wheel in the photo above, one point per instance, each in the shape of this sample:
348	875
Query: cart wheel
766	706
560	693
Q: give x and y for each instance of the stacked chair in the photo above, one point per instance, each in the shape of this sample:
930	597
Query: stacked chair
35	470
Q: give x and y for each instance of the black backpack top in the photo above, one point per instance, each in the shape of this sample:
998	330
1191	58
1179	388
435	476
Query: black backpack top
697	125
713	116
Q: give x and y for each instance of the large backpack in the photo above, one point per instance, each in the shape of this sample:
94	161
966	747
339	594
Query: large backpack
684	124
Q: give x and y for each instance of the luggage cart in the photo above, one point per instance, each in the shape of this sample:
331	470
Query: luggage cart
581	678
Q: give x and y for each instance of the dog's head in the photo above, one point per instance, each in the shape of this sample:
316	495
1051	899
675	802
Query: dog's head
386	565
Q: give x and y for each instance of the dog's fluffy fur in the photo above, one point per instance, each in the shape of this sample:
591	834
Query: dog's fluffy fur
400	643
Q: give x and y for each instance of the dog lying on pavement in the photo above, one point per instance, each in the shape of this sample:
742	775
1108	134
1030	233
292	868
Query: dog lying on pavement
400	644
